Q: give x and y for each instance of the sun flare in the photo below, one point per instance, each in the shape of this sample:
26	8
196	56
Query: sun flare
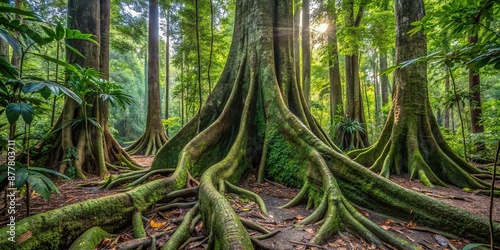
322	28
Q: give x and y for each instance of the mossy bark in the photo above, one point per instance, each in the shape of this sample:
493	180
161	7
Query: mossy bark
256	102
411	141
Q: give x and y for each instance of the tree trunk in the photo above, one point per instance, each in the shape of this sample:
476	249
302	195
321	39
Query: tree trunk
354	101
447	110
306	53
384	79
411	140
296	39
256	117
336	106
475	107
155	136
167	67
96	148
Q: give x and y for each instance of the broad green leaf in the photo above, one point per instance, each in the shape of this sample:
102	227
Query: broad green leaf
5	9
38	184
13	110
60	32
6	36
53	87
48	171
8	70
21	176
74	50
59	62
49	32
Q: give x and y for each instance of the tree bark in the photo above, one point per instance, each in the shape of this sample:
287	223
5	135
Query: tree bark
306	52
167	67
336	103
155	136
384	79
296	39
411	140
354	101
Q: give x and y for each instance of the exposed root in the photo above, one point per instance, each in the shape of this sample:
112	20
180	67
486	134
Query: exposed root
138	226
191	239
417	148
268	235
149	143
181	235
135	243
247	194
90	239
254	226
172	205
148	174
183	193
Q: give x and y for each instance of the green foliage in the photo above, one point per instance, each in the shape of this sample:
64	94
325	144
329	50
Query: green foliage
347	132
34	176
283	162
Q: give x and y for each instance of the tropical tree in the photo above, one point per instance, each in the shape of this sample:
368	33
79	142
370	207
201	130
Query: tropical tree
354	110
81	137
154	136
257	100
411	140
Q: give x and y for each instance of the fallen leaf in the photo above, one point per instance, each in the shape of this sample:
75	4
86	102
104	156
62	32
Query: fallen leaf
385	227
24	237
309	230
155	224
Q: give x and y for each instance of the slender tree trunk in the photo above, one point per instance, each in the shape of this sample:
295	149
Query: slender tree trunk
336	106
155	136
475	107
306	53
354	101
377	89
447	110
384	79
167	67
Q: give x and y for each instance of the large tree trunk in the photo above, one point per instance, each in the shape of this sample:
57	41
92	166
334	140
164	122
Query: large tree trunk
306	52
411	140
336	106
155	136
296	39
256	116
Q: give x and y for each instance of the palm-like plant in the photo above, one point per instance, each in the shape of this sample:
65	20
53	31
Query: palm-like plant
349	134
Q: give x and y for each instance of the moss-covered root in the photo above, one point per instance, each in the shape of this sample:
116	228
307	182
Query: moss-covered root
138	226
90	239
247	194
57	229
182	233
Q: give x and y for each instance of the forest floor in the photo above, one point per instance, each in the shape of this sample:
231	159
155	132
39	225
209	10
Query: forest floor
279	220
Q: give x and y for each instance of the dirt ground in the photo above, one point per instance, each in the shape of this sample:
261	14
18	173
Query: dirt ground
162	223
